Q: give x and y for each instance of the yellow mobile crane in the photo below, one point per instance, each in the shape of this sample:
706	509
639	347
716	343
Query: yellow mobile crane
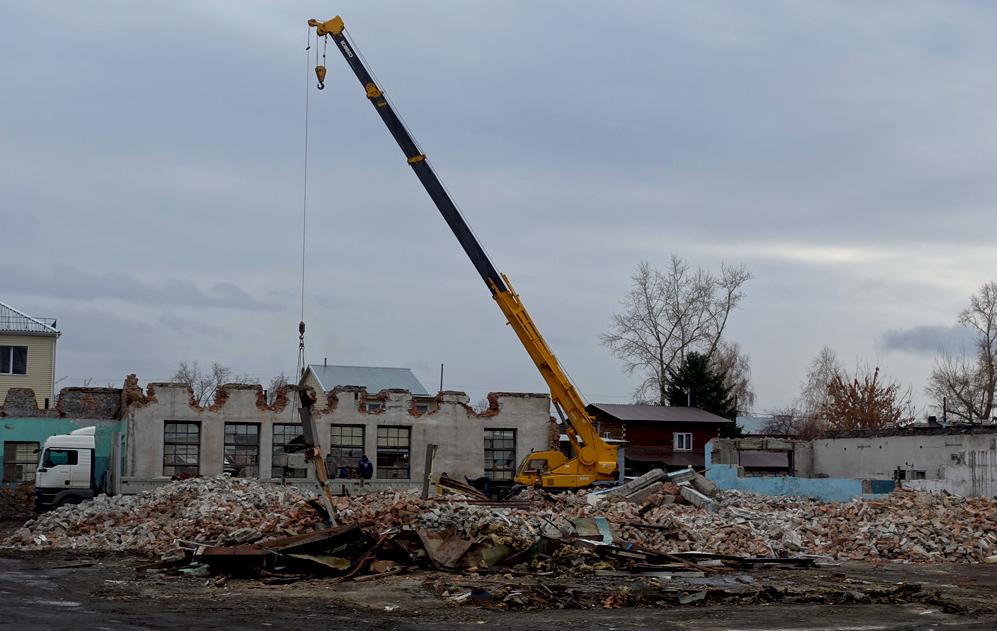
595	460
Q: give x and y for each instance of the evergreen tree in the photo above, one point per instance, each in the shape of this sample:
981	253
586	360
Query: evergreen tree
696	384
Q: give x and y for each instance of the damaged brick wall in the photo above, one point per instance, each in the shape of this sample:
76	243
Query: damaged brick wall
448	422
83	403
20	402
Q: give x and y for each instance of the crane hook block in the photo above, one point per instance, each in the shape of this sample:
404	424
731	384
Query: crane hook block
320	73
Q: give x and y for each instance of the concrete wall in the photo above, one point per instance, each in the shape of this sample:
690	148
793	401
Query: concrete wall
454	426
726	451
727	477
41	367
961	461
730	477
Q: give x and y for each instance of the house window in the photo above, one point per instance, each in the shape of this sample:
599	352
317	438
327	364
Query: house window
393	449
181	448
683	441
422	408
20	459
13	360
242	450
345	445
500	454
287	439
375	406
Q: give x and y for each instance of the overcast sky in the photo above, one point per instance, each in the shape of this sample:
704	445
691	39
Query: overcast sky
151	177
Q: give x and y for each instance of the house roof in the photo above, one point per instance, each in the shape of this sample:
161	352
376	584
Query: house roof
373	378
14	321
657	413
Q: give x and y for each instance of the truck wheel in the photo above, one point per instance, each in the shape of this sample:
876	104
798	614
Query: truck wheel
72	499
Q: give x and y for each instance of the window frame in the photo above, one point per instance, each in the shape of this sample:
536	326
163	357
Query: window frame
678	442
175	467
346	454
503	473
252	468
381	471
7	354
280	448
17	470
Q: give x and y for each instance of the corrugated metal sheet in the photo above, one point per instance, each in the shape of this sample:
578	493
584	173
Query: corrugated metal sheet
657	413
373	378
14	321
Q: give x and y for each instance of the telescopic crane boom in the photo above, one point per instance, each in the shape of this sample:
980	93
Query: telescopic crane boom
595	460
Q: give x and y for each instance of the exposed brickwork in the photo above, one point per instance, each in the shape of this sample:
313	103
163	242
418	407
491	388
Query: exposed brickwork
95	403
133	395
21	402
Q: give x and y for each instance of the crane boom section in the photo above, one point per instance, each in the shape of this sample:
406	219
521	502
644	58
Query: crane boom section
595	460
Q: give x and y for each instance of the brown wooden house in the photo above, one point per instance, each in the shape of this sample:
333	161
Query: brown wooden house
670	437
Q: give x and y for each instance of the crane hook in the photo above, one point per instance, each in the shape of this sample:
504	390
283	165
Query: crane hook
320	73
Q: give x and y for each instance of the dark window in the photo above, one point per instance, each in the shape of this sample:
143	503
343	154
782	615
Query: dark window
500	454
181	448
422	408
13	360
287	439
242	450
56	457
345	445
20	459
393	450
374	406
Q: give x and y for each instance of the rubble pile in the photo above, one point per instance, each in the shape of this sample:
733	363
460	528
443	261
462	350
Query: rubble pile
905	526
17	502
213	511
680	514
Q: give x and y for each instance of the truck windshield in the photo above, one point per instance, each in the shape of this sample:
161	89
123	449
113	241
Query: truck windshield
56	457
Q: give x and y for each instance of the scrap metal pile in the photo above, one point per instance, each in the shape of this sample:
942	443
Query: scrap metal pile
658	523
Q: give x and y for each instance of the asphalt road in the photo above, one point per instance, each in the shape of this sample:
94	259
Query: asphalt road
44	592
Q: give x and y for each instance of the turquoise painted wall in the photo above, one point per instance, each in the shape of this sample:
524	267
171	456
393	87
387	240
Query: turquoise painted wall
37	429
825	489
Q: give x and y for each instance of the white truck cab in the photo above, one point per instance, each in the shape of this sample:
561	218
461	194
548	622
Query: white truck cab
66	470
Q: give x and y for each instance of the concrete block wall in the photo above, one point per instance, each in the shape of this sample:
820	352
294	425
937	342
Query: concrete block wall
451	423
960	461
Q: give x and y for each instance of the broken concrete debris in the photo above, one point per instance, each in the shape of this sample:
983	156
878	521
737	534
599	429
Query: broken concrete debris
236	525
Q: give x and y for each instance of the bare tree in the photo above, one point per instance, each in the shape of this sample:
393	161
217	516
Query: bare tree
669	313
805	419
792	422
275	384
205	383
735	366
866	401
813	393
967	385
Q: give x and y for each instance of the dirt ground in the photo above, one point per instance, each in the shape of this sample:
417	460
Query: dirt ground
47	590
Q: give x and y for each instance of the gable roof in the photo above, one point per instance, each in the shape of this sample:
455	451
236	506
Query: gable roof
373	378
14	321
657	413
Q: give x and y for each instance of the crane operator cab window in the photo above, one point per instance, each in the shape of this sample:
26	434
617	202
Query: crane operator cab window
536	465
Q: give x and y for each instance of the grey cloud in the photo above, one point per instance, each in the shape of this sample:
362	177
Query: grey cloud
928	339
69	282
